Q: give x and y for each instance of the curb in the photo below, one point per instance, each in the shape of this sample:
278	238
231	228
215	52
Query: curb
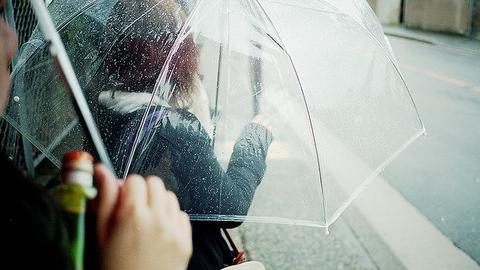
411	37
412	238
432	41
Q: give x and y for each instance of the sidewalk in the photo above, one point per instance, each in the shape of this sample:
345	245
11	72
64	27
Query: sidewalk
452	42
381	231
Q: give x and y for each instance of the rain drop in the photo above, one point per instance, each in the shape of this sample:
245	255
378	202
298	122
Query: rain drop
16	99
477	180
442	219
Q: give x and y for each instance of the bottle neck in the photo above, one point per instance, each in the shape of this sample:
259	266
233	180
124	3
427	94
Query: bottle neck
78	177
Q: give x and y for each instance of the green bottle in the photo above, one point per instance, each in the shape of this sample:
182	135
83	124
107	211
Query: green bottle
72	196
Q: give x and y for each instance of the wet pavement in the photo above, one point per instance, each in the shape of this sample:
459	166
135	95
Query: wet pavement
439	174
443	175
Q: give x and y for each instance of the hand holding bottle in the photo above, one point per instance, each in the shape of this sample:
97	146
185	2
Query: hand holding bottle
140	225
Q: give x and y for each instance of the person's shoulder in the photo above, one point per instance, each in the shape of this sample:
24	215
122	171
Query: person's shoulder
179	123
181	119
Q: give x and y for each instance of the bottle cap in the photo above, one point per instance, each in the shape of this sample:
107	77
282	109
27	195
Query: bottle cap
77	161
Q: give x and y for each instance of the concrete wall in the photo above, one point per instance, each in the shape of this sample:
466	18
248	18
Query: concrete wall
387	11
438	15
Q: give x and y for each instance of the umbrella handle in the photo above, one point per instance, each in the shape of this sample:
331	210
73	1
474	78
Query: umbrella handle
65	68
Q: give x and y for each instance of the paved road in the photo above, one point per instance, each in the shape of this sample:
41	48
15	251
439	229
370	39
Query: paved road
443	179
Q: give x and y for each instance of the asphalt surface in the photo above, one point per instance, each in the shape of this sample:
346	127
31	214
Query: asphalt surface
351	243
442	180
443	176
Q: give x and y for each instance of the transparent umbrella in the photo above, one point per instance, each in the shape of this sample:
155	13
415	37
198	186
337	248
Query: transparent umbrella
267	111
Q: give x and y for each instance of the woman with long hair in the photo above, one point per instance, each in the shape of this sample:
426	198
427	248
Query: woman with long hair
174	141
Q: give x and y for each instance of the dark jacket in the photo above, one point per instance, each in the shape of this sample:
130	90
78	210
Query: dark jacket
175	147
31	229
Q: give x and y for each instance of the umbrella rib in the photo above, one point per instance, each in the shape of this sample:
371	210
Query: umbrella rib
59	28
395	66
75	15
219	67
175	46
306	107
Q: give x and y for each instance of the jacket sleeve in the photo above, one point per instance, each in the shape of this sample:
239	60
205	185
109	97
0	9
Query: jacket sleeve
210	188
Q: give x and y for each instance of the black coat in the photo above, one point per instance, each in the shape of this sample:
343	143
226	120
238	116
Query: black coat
32	232
175	147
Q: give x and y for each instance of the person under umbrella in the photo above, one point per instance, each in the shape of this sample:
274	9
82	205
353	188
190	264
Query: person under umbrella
32	230
175	142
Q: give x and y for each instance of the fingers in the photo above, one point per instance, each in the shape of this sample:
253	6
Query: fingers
160	200
156	192
141	195
172	205
165	206
108	191
134	194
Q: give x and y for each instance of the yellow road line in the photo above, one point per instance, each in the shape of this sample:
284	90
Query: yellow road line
441	77
452	81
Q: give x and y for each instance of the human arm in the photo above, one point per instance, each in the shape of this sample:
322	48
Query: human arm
210	189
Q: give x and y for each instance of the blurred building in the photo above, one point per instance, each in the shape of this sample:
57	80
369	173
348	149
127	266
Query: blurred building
388	11
453	16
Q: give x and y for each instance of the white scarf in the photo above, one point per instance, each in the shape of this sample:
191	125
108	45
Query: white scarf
127	102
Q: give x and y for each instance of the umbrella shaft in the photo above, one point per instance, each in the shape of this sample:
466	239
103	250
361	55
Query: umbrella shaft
65	68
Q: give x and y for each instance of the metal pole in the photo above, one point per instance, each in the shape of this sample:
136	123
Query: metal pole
256	67
256	79
405	13
224	31
57	50
471	8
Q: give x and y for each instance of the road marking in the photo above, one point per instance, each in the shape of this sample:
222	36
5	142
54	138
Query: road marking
411	68
416	242
440	77
452	81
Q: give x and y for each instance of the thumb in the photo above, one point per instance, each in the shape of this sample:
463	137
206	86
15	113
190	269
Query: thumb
108	190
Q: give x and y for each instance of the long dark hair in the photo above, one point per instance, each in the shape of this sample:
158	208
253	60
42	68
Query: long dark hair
145	33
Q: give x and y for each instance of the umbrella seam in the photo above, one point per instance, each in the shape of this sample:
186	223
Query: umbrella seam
308	113
162	74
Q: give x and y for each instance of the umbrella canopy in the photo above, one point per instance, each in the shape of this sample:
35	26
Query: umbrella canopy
269	111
